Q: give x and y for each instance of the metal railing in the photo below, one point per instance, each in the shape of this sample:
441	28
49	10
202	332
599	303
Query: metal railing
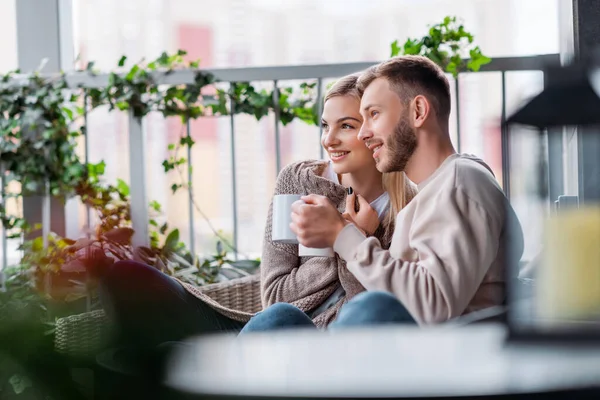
139	203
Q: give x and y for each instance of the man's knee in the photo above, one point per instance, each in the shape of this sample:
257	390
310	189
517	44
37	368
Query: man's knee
373	308
375	300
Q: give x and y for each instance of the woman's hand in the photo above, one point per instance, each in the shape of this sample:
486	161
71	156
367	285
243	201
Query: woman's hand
366	219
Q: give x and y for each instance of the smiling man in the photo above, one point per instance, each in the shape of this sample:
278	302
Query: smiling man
448	251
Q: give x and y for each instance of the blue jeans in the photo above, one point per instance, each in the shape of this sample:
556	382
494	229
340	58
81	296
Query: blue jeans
365	309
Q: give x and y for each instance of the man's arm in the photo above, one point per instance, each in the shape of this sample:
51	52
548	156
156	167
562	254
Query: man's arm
456	241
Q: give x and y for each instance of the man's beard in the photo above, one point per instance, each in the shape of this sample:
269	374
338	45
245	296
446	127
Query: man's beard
400	147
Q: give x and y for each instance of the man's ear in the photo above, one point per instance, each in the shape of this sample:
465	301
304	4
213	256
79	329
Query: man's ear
420	110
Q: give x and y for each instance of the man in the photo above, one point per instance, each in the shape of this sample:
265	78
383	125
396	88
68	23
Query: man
449	248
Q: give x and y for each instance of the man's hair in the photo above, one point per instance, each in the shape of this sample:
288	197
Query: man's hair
410	76
346	86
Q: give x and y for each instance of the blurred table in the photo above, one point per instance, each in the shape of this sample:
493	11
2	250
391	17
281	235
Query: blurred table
394	362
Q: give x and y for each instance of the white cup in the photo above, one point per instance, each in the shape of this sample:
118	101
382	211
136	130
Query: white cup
313	252
282	218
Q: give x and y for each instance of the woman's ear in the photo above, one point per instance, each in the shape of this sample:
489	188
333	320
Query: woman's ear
421	110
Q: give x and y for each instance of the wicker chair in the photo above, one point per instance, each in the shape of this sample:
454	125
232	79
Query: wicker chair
85	334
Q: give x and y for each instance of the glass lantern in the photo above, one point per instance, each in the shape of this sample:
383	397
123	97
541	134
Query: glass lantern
553	292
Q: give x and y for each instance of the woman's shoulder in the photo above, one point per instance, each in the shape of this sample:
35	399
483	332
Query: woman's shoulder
296	168
300	171
304	177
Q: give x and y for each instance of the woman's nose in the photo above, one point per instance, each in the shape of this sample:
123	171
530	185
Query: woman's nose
330	139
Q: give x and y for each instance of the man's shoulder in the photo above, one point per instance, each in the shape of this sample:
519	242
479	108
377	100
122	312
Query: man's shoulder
471	170
462	170
475	179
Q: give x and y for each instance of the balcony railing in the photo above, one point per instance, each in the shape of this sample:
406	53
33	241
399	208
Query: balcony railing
137	153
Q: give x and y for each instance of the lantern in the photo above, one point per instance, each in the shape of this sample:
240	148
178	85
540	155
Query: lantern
557	295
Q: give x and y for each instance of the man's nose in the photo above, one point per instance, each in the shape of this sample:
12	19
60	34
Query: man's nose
365	132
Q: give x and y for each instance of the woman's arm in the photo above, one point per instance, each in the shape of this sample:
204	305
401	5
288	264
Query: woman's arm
283	277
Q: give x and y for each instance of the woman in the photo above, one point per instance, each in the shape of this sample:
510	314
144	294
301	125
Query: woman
150	307
319	286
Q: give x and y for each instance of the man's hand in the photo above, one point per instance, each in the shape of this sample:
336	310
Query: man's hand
316	221
366	219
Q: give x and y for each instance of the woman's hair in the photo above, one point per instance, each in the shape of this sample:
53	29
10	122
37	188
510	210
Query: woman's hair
400	189
346	86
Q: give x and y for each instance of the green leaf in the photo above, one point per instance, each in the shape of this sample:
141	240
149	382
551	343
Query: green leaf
37	244
172	240
163	228
452	68
122	187
122	61
163	59
186	141
132	73
171	146
154	239
167	165
112	79
413	46
155	205
395	49
94	170
477	60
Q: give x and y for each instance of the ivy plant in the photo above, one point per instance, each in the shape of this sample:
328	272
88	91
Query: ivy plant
447	44
38	145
